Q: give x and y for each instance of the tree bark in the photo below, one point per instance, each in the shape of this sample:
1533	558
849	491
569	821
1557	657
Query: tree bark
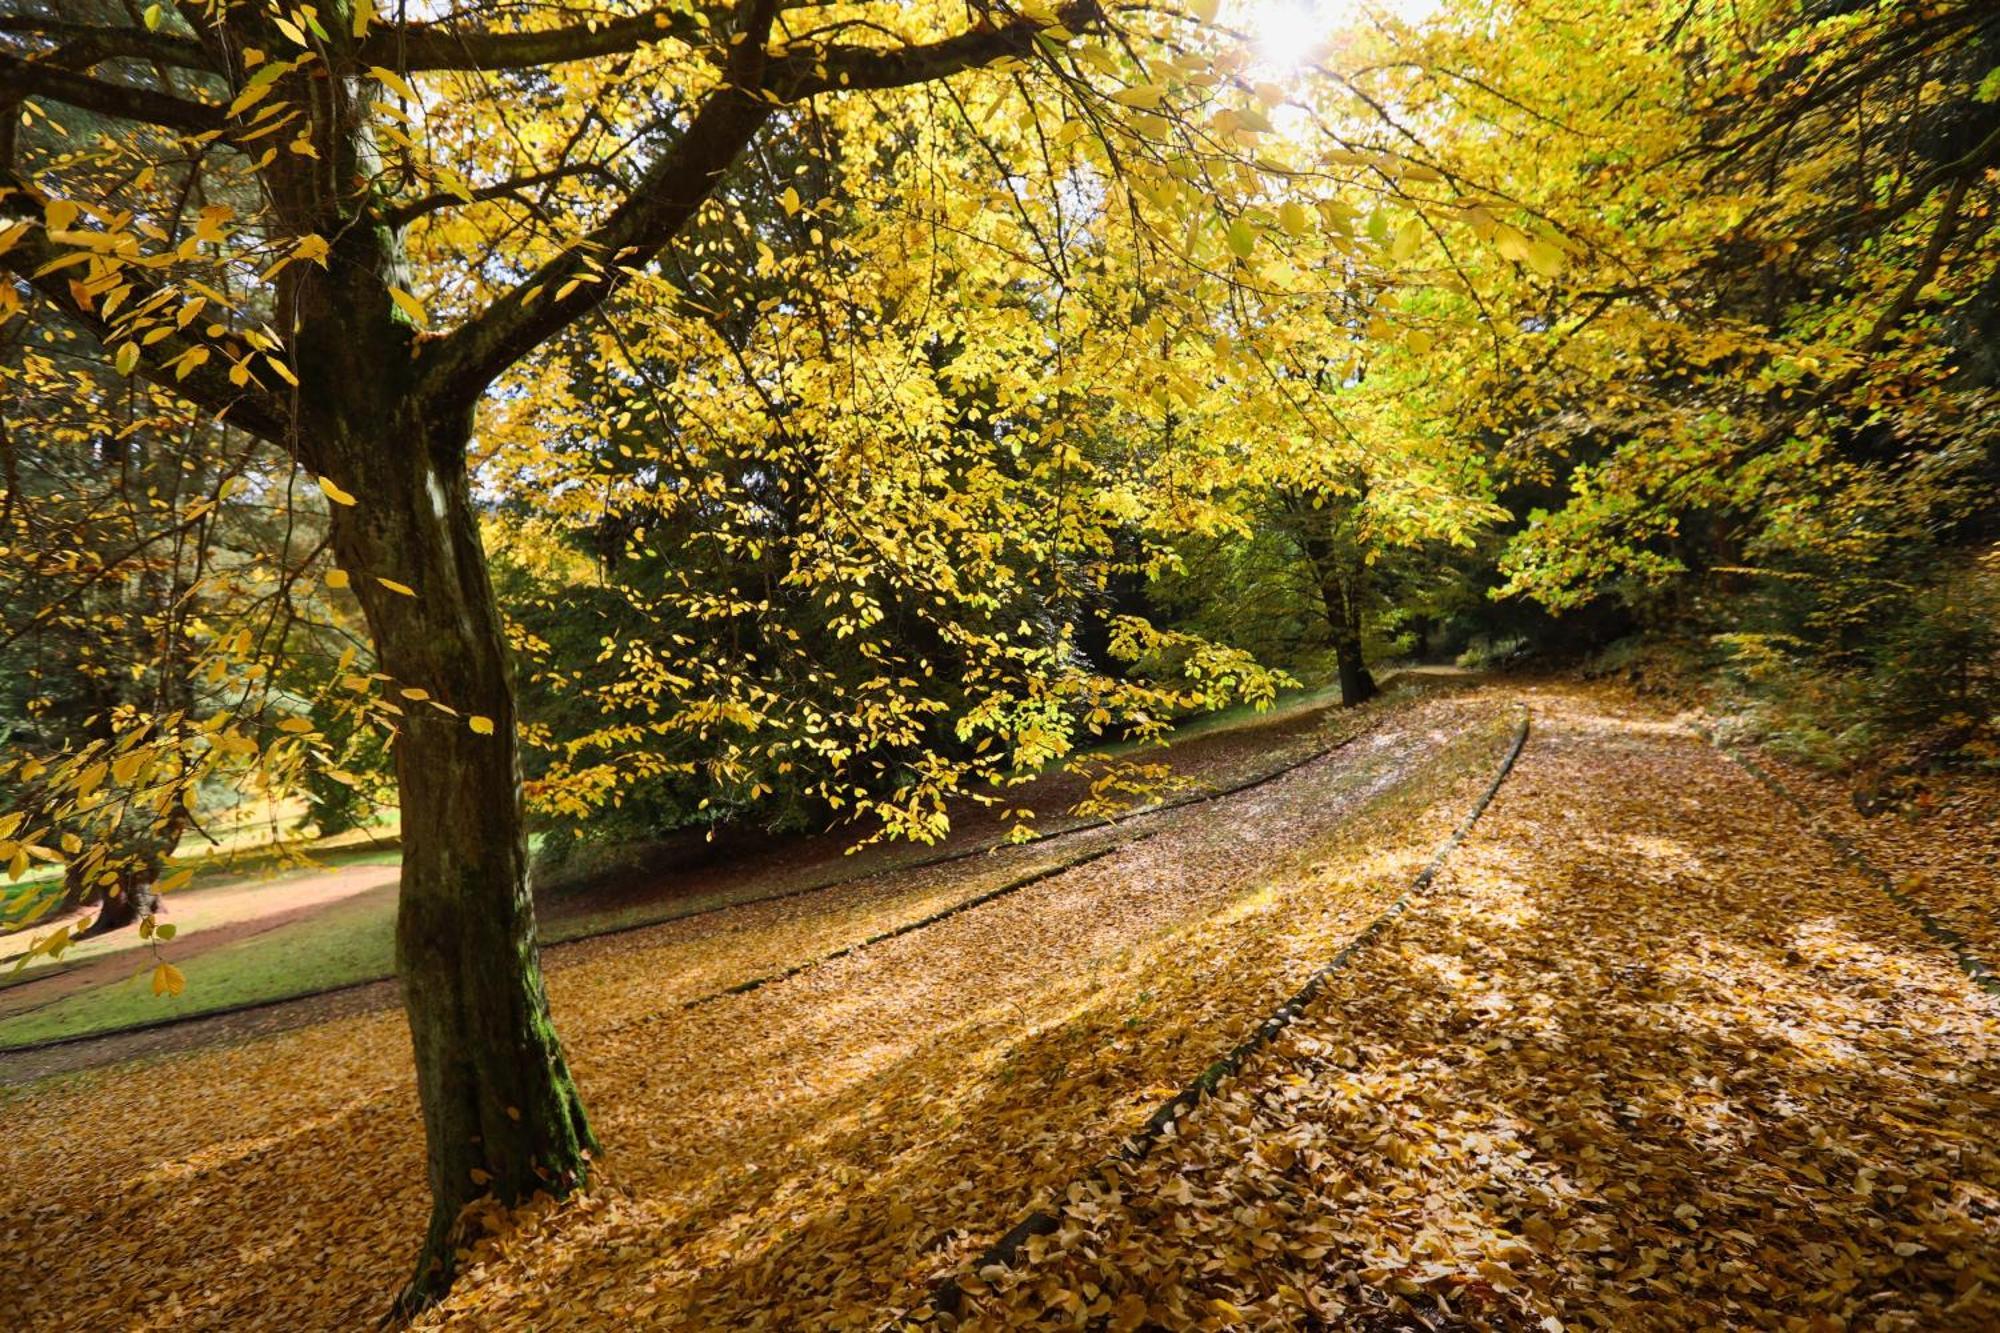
501	1113
1357	684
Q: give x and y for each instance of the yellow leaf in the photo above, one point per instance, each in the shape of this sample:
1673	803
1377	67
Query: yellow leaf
295	725
167	980
174	881
333	492
248	98
481	725
393	586
1144	97
336	578
409	305
392	79
1545	258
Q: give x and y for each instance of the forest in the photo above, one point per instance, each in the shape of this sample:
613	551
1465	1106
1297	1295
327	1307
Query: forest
1115	664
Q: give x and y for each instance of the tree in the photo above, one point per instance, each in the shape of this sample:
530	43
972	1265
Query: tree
999	342
291	106
252	237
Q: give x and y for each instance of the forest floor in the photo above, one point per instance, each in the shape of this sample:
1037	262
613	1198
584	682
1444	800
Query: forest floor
1646	1053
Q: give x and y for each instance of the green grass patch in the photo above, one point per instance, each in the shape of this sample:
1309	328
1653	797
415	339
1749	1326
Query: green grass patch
351	941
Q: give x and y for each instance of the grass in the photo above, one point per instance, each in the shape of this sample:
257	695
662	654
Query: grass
350	941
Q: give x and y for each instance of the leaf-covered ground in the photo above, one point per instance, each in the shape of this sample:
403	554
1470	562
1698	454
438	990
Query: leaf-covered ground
801	1156
1649	1056
1941	848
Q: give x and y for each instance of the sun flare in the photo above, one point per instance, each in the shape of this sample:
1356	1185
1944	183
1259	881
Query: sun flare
1288	33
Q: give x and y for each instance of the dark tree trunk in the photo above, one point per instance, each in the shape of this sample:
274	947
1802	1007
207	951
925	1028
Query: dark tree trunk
130	896
500	1111
117	878
1357	684
1325	536
1339	598
501	1114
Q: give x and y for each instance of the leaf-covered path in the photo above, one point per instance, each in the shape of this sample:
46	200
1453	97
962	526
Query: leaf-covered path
806	1154
1649	1056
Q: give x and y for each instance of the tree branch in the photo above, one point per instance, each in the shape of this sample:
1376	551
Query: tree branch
421	46
798	75
207	385
43	79
460	365
113	43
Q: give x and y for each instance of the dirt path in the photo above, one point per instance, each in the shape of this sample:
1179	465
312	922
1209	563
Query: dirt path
797	1156
206	919
1649	1057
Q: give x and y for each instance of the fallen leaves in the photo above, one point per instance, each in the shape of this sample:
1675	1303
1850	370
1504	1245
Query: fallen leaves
1649	1057
1645	1056
799	1156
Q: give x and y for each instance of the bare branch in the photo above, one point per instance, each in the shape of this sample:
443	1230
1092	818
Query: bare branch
112	43
43	79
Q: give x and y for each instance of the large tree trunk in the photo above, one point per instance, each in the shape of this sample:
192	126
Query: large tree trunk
501	1114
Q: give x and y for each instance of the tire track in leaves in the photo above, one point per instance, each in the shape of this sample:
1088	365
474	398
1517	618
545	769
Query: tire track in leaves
948	1297
1048	872
1982	973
